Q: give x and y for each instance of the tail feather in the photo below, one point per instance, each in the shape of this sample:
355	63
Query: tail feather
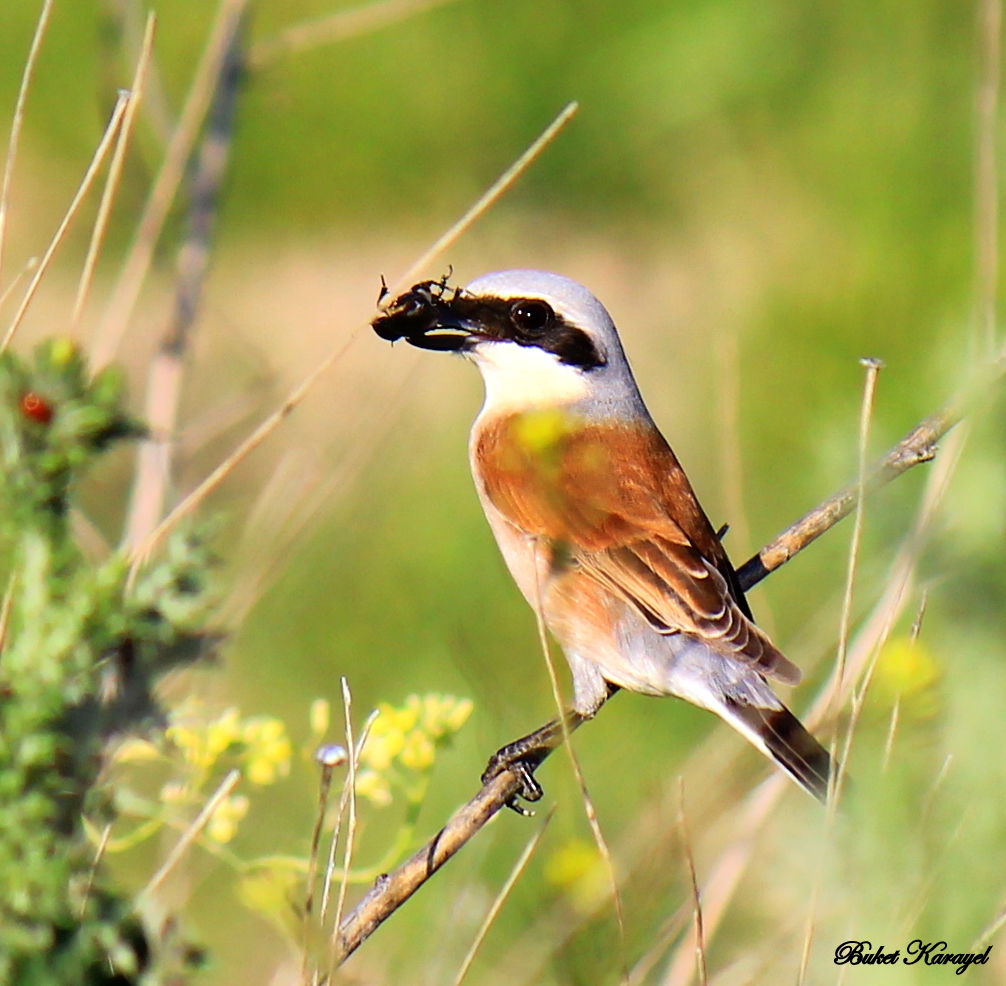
781	736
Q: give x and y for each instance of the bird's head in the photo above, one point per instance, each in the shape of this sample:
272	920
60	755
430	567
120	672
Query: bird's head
538	338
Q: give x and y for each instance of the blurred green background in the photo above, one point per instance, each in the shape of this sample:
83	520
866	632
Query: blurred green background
762	193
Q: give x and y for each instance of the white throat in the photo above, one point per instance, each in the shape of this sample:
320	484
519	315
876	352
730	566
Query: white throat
521	378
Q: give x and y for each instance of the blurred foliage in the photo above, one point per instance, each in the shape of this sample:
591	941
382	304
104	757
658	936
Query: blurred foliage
796	176
81	652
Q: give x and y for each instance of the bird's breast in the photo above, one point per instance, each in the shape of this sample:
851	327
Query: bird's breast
555	475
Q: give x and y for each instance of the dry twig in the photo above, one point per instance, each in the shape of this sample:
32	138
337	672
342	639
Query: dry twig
164	378
114	170
141	253
85	185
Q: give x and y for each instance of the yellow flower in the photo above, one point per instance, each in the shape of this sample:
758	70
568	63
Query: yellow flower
222	732
418	751
375	788
191	743
444	715
268	750
223	824
577	869
385	739
908	673
319	717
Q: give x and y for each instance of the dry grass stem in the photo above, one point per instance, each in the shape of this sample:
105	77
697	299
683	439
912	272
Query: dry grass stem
497	904
340	26
808	941
341	814
892	732
21	274
347	851
95	166
297	395
190	835
491	196
99	854
698	935
138	260
733	862
18	121
873	368
588	803
892	729
114	172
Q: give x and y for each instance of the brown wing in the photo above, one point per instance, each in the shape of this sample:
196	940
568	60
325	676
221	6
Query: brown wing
616	500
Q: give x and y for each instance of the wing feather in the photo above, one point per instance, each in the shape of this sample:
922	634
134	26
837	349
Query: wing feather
616	500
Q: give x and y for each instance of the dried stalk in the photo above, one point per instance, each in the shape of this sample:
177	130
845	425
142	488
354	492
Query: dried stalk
155	212
18	121
339	26
164	379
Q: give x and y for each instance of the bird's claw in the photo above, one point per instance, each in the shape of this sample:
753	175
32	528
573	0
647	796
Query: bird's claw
515	761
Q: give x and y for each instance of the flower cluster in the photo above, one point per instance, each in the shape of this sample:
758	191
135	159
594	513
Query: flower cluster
407	736
199	745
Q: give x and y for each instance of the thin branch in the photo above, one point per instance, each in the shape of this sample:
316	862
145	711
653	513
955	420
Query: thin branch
341	25
392	890
18	121
114	171
141	253
164	380
297	395
919	445
85	186
497	904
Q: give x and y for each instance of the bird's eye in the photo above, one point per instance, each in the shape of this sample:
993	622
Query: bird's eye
532	317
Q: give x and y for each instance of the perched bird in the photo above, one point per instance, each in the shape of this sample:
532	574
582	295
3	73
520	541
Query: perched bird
597	521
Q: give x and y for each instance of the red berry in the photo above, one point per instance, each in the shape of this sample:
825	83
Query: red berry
36	408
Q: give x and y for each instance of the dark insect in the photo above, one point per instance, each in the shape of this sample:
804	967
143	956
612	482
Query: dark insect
36	408
422	316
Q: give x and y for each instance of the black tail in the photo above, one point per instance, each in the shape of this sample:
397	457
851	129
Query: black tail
783	737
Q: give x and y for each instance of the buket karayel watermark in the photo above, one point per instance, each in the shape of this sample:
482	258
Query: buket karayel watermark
931	953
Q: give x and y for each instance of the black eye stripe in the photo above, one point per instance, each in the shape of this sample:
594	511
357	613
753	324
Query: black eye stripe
430	317
496	320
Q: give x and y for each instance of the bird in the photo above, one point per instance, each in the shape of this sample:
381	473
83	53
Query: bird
595	518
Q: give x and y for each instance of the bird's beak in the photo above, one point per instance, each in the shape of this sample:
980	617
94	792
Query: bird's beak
424	317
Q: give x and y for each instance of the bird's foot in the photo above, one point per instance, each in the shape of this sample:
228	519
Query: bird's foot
522	758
